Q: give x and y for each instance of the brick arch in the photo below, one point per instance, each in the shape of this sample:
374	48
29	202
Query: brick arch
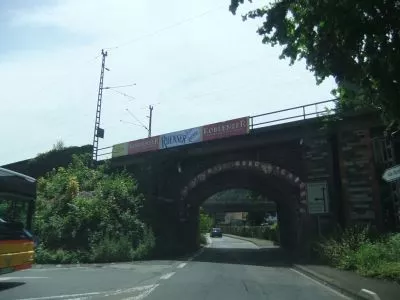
265	168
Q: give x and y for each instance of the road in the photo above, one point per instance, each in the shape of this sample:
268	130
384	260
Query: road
227	269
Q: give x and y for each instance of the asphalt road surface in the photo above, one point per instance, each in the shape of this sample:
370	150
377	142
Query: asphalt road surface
227	269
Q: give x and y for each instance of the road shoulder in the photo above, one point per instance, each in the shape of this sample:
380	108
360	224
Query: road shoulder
346	282
350	283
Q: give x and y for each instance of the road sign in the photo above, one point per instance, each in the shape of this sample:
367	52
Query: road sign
317	197
391	174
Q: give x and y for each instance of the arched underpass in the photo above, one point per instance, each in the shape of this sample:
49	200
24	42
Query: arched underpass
274	183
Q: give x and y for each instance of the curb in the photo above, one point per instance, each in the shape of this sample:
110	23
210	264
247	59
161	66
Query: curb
331	283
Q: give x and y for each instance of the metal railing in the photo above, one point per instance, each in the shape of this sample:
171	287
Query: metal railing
103	152
273	118
300	113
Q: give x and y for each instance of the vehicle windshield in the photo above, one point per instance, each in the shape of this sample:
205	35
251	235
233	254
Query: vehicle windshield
130	128
14	210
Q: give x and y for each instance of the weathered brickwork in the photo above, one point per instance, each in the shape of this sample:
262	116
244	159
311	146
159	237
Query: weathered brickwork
357	176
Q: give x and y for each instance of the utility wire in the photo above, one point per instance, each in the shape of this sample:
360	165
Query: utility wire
126	122
133	116
118	86
179	23
135	40
121	93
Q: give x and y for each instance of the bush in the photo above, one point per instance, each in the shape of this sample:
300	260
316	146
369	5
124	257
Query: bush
110	249
359	249
89	215
380	259
338	250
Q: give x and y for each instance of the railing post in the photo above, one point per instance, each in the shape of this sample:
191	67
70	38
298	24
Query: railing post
304	112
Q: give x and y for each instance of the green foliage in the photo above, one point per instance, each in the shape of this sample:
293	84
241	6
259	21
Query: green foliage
261	232
357	248
205	221
111	249
87	215
356	42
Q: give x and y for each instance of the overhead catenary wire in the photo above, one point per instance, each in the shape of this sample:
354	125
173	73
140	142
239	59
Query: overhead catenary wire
126	122
154	33
122	94
173	25
133	116
118	86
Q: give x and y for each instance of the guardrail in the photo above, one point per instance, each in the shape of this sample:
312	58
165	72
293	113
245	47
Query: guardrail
284	115
297	113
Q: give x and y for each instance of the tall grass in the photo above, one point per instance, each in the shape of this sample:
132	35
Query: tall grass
358	248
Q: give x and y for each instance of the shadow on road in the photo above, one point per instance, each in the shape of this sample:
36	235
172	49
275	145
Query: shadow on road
5	285
272	257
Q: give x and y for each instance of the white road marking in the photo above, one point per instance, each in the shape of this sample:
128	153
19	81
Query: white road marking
167	276
21	278
129	290
319	283
89	295
181	265
370	294
144	294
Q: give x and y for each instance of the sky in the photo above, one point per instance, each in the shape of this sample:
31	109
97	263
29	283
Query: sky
194	61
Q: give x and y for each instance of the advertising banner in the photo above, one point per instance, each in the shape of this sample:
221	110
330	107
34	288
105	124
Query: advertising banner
226	129
180	138
119	150
144	145
184	137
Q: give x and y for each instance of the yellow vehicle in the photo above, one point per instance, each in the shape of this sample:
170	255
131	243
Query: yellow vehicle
17	203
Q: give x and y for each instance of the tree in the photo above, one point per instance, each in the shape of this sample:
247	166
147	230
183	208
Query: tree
59	145
356	42
87	215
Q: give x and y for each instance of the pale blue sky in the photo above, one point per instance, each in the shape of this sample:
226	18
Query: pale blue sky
194	60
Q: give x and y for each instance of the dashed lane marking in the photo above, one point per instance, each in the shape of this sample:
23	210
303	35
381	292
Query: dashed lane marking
181	265
167	276
144	294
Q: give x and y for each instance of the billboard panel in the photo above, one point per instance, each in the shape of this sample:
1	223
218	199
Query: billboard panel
226	129
184	137
144	145
180	138
119	150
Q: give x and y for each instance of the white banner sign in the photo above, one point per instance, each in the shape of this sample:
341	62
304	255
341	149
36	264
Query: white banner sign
179	138
317	197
